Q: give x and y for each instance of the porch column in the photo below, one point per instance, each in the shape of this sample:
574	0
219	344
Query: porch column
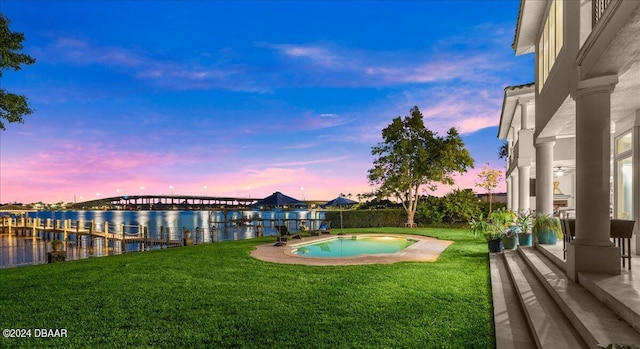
509	189
526	116
514	191
591	250
526	153
544	176
524	173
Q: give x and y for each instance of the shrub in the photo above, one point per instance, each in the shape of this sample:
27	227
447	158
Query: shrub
459	206
484	206
430	211
367	218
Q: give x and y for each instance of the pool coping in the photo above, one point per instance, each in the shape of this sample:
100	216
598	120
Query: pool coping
426	249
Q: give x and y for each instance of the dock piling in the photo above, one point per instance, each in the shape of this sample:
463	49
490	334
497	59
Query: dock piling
106	238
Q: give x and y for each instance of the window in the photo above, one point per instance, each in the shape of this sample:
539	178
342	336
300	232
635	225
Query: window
623	143
624	188
624	177
551	41
559	25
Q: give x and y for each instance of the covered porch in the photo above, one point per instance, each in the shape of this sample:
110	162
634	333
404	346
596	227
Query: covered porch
536	305
587	107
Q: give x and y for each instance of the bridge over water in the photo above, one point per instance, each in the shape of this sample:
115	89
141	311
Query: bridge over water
175	202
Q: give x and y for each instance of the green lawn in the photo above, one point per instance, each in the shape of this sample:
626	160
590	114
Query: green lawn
217	296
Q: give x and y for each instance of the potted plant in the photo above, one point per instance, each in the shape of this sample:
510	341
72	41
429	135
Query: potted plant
493	236
57	255
503	218
504	221
479	226
187	240
510	238
491	233
547	229
524	222
56	245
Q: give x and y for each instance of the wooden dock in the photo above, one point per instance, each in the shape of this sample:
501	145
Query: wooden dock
49	229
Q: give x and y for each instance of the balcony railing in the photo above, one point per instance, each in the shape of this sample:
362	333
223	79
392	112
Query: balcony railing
599	7
514	154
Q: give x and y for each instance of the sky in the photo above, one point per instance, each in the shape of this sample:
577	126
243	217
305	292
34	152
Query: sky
246	98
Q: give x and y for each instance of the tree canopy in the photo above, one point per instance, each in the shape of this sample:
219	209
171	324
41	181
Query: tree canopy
12	106
412	156
503	152
489	179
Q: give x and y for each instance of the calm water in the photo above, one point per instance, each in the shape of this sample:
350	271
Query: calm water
350	247
206	227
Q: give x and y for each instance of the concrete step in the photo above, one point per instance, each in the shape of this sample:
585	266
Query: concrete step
512	330
548	324
595	322
621	293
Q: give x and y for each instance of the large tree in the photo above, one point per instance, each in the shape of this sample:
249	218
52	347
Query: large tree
412	156
12	106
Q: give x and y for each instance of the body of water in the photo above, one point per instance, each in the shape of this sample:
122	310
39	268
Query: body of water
205	227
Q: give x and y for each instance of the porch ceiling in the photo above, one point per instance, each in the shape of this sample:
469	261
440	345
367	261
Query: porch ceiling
563	123
621	56
625	100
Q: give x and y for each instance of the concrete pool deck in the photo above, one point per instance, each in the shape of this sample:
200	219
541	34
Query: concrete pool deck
426	249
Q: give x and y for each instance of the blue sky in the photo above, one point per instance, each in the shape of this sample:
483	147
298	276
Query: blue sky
245	98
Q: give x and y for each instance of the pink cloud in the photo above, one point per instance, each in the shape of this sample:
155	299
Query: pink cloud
72	169
438	70
475	123
298	182
90	179
467	109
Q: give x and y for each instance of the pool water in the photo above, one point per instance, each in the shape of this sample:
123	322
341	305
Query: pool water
353	246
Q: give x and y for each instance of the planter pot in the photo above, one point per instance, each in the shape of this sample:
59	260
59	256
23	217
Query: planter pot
510	242
495	245
547	237
56	245
524	239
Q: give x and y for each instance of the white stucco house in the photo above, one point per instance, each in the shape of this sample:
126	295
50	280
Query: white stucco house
574	133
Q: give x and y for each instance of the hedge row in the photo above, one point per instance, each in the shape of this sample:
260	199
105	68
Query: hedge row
367	218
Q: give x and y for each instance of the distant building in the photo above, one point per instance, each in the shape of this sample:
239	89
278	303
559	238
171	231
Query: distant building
495	197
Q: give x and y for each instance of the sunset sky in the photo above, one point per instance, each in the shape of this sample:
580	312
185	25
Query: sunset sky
245	98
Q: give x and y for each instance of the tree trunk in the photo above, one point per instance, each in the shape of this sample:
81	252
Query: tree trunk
412	206
410	218
490	202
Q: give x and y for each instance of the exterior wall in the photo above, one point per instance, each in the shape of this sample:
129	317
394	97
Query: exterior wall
495	197
558	84
565	149
564	153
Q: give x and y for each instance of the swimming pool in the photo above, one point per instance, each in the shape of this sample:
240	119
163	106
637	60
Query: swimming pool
352	246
